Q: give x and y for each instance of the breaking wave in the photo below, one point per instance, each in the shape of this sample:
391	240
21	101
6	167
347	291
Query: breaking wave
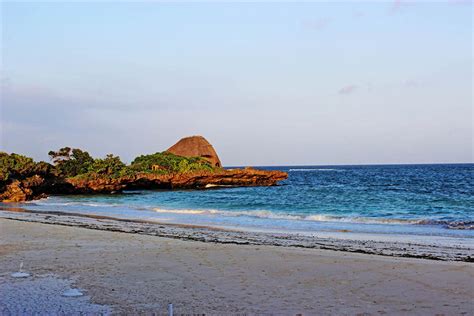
48	202
264	214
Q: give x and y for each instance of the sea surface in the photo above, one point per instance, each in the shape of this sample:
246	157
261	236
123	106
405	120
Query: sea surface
423	200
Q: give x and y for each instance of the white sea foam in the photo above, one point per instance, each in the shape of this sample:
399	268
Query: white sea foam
361	220
256	213
44	199
159	210
273	215
265	214
320	218
50	203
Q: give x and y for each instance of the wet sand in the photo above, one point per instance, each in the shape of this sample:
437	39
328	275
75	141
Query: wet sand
132	273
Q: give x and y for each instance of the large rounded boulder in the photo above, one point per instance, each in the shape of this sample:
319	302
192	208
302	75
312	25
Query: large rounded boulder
196	146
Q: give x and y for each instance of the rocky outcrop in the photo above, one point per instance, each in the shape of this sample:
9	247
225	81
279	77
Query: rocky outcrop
196	146
25	190
36	187
76	172
235	177
192	180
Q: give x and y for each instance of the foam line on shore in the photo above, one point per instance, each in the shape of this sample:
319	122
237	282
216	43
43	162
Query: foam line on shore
265	214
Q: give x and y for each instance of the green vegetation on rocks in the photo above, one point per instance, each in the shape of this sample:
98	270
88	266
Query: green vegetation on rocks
110	166
74	171
72	162
165	162
14	166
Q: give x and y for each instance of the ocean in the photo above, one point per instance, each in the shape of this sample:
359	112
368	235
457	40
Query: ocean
423	200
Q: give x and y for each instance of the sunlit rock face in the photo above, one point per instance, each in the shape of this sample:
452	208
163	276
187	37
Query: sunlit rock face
196	146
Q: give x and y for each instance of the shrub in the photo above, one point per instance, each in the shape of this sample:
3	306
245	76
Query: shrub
110	166
71	162
169	163
20	167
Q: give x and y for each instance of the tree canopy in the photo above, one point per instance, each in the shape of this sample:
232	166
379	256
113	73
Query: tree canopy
169	163
15	166
73	162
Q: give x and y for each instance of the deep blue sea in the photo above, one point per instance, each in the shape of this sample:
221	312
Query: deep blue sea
431	200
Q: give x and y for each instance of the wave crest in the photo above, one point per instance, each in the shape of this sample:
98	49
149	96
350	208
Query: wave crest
265	214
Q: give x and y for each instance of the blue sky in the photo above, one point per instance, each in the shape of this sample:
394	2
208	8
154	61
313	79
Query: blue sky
266	83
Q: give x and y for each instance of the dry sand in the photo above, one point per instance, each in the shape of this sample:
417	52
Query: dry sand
130	273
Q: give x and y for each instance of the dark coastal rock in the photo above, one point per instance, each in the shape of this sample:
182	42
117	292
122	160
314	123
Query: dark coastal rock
36	187
196	146
100	185
191	180
235	177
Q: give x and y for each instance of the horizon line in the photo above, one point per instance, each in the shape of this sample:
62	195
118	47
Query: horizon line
361	164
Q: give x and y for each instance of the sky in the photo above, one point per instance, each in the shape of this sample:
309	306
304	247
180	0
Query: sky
311	83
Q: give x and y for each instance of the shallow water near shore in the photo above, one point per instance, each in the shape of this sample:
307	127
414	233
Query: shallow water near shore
424	200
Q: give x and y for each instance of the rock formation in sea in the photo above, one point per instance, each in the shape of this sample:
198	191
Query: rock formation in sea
196	146
188	180
76	172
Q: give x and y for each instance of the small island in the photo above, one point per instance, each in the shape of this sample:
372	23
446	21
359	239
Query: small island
192	163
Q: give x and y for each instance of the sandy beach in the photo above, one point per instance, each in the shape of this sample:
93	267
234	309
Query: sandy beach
122	273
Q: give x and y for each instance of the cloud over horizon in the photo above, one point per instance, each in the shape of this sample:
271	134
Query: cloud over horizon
349	89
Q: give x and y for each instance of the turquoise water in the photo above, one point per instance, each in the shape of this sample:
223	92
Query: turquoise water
435	200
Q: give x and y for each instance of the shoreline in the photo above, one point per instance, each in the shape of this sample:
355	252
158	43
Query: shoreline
341	242
122	273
